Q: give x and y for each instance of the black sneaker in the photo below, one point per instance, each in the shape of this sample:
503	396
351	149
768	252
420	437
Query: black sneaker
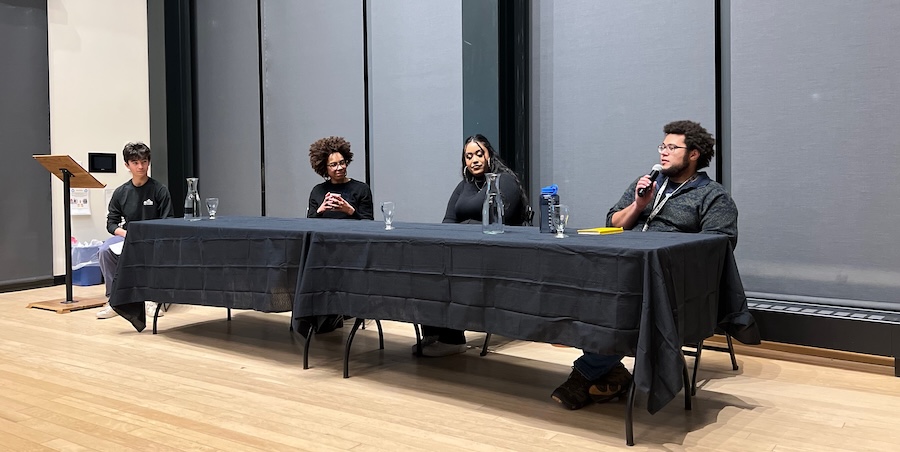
574	392
612	385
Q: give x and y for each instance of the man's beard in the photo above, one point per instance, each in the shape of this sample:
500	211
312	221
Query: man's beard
677	170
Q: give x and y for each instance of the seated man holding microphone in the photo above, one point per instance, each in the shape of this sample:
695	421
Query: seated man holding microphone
679	198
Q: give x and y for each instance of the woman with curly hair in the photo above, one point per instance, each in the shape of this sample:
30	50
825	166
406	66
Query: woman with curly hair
339	196
464	206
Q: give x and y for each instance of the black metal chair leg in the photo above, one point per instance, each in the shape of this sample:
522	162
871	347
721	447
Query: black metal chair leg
380	335
487	338
687	383
734	365
418	340
309	336
629	417
229	314
696	365
347	347
156	316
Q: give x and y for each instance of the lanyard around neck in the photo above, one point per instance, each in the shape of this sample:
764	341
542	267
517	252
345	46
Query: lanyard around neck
661	199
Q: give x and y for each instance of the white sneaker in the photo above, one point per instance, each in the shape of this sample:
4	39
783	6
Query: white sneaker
426	341
150	306
107	312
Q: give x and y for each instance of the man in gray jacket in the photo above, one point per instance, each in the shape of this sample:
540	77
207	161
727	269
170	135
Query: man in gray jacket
680	199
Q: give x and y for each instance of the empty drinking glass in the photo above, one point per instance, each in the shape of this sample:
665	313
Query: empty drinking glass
560	218
387	208
212	205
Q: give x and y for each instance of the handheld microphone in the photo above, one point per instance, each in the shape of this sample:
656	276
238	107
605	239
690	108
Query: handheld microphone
654	173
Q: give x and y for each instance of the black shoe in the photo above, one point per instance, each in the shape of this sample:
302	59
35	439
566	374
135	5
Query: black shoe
574	392
612	385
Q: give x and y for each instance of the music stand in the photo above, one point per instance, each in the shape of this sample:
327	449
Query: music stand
73	176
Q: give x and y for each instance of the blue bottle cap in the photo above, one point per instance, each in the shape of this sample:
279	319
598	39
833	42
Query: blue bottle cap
550	190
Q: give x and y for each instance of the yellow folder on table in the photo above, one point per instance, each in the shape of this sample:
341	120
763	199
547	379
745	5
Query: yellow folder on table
599	231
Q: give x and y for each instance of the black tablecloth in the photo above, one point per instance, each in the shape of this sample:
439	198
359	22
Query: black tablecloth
639	294
233	262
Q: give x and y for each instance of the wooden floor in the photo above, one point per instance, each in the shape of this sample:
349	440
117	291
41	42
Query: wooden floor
72	382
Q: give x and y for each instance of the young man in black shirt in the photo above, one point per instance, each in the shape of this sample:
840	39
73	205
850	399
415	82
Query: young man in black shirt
141	198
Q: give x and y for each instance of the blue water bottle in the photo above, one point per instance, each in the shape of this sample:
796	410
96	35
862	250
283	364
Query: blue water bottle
549	198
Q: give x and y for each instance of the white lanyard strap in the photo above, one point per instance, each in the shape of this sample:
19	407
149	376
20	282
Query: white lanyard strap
657	205
661	199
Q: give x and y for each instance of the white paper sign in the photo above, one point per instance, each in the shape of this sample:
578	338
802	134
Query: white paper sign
80	201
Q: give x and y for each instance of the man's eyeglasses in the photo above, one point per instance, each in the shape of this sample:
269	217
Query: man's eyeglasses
669	148
343	163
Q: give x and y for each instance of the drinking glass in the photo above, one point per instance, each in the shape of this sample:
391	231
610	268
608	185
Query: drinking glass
560	218
212	205
387	208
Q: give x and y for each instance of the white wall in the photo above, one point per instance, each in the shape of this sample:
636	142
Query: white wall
98	96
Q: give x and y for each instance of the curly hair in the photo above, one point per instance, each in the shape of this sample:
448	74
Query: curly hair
136	151
695	137
322	148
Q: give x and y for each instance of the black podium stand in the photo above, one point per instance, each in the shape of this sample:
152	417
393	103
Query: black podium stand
73	176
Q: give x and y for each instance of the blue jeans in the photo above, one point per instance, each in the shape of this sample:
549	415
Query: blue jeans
594	366
109	261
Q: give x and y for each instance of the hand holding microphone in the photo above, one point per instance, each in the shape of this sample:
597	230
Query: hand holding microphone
654	173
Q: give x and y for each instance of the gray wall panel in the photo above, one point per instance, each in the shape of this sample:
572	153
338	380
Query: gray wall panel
606	76
815	105
227	129
25	237
480	51
415	73
313	89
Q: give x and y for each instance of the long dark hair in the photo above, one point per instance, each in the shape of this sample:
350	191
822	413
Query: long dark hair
495	165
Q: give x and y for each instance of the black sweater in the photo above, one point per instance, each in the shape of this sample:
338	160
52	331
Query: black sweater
467	200
356	193
150	201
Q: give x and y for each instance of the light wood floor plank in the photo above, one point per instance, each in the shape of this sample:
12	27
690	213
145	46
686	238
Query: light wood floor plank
9	429
65	446
71	382
13	442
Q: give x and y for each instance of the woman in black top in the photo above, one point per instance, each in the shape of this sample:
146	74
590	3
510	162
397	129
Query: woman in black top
464	206
339	196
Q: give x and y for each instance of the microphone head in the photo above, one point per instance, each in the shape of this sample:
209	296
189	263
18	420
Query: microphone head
657	167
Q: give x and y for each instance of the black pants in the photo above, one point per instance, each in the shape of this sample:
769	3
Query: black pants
321	324
445	335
